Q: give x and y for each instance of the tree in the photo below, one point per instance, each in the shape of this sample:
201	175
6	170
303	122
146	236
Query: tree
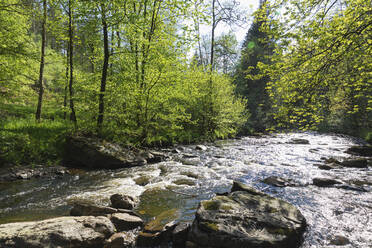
250	80
42	57
71	61
322	65
106	56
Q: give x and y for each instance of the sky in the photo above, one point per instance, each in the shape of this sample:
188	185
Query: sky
249	6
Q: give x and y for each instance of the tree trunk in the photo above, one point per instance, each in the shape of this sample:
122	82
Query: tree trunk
213	31
104	69
71	53
41	73
67	83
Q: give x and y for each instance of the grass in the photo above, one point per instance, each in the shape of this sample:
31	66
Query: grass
25	141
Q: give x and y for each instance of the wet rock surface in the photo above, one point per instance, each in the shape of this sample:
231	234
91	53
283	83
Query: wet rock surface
355	163
123	201
247	219
299	141
91	209
121	240
278	181
325	182
125	222
32	171
158	231
70	232
365	151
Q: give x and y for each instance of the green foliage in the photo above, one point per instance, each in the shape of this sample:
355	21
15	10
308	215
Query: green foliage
153	95
322	69
250	80
25	141
368	137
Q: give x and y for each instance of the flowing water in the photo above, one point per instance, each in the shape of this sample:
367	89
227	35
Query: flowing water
177	185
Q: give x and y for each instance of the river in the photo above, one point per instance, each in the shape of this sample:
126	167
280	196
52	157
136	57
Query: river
191	175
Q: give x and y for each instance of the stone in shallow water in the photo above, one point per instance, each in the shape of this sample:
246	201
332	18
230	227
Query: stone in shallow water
159	230
278	181
123	201
90	209
179	234
125	222
339	241
72	232
121	240
355	163
365	151
247	218
325	182
201	147
299	141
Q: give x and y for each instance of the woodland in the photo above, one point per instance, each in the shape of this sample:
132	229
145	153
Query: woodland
142	73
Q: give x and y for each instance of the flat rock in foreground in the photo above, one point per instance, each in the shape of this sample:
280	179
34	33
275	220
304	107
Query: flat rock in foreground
247	218
79	232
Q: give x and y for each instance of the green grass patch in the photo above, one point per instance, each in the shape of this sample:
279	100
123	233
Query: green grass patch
24	141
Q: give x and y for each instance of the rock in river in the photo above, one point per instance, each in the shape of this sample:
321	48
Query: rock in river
278	181
325	182
90	209
299	141
355	163
79	232
123	201
247	218
98	154
365	151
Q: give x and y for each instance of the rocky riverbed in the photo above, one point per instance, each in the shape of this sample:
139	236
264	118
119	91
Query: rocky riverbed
319	174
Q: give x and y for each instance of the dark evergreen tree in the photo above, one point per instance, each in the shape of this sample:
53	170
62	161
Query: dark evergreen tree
250	82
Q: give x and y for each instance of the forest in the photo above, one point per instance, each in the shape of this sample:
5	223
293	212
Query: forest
142	73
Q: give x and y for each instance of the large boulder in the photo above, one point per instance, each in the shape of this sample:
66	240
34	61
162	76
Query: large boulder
247	218
79	232
97	154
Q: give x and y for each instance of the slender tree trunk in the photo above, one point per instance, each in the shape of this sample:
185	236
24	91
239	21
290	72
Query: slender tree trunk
67	83
41	73
104	69
71	53
213	33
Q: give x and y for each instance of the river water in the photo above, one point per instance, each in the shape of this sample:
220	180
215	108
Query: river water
190	175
